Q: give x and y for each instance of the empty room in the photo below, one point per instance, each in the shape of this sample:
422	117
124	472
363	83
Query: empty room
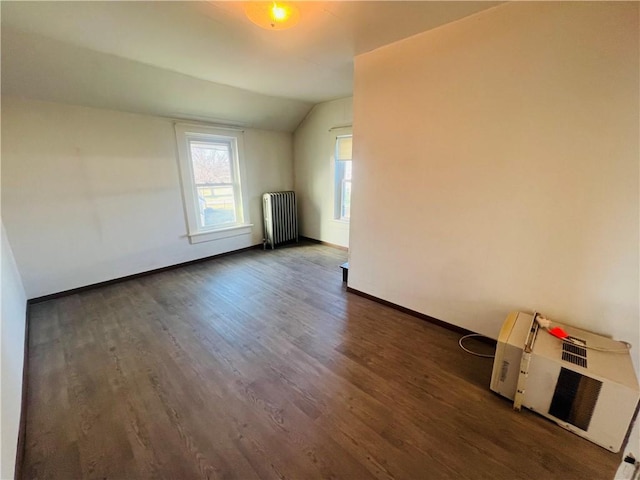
298	240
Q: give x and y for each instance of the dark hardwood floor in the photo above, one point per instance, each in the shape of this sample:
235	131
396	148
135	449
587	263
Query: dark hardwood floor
261	365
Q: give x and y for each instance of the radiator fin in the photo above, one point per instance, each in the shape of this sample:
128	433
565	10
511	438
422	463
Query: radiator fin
280	218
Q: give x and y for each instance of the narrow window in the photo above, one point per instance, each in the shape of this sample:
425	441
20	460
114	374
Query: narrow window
210	165
213	177
342	187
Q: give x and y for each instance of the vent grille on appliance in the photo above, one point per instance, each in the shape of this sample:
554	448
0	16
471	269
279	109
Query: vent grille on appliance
574	354
575	398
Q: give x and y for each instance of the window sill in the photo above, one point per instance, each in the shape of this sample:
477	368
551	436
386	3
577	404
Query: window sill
220	233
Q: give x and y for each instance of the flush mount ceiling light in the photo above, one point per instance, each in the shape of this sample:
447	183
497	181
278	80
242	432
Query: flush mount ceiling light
272	15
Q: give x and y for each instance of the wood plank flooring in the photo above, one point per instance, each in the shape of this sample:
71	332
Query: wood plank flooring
261	365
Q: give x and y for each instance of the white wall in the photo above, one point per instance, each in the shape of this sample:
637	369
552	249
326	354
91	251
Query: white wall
14	303
498	168
90	195
313	154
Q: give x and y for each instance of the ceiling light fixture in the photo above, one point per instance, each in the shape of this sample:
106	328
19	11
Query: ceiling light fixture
272	15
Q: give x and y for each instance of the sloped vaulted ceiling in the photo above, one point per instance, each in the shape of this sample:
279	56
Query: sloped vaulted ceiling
201	60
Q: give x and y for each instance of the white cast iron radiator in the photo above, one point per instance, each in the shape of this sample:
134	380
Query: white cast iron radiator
280	218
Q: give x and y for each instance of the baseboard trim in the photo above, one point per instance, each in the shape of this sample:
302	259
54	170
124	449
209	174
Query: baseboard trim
22	425
321	242
113	281
421	316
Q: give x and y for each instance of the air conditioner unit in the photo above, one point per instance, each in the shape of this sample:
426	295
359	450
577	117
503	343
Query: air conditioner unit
586	384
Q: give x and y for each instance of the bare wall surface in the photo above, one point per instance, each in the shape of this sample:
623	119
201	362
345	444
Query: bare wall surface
90	195
498	168
14	303
313	156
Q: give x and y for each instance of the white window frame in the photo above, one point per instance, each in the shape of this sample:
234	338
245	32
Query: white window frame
336	187
186	133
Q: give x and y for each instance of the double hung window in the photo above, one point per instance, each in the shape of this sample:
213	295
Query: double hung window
210	168
342	182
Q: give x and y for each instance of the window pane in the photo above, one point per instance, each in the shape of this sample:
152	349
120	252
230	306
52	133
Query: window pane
212	166
211	162
346	200
347	170
216	205
342	169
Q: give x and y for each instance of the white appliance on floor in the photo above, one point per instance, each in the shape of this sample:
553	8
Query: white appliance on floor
585	383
